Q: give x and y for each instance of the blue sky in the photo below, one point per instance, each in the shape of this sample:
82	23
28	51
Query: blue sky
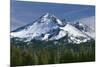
23	13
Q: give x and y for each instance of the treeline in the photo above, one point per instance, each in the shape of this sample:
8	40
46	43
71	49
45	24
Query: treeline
37	53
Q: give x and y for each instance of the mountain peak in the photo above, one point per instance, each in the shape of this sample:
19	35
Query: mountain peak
46	15
50	18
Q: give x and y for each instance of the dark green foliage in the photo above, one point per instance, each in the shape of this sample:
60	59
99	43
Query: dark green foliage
37	52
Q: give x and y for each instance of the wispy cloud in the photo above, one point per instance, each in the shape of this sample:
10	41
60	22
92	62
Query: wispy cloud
15	23
23	13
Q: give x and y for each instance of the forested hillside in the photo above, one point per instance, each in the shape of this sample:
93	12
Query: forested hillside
38	52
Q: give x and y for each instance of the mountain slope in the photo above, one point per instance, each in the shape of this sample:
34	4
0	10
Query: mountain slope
86	25
74	34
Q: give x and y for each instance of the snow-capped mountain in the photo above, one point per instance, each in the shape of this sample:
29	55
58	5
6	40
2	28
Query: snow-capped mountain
49	27
85	29
88	24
